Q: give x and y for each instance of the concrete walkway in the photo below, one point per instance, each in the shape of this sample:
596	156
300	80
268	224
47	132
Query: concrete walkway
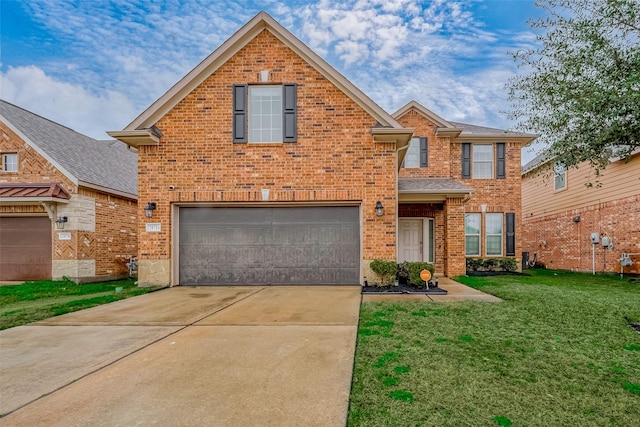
223	356
455	292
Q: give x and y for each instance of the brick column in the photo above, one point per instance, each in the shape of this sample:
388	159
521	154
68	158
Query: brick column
455	264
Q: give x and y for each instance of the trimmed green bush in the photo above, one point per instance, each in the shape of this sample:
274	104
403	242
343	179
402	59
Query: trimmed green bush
385	270
414	269
491	264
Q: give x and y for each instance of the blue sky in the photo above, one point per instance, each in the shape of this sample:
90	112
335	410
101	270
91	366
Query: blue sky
94	65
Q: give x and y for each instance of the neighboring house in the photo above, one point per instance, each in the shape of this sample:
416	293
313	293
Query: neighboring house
68	203
562	208
264	165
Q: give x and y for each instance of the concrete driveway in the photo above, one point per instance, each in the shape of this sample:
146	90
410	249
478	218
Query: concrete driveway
218	356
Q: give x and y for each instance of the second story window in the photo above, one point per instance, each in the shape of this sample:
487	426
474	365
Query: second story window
560	177
417	154
10	162
482	161
265	113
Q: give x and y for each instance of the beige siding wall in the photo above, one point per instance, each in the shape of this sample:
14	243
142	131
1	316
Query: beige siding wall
617	181
610	208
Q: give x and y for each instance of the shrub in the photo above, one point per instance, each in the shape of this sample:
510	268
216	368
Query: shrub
414	269
509	264
491	264
384	270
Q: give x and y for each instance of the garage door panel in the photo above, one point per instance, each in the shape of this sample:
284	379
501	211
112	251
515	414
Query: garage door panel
279	245
25	248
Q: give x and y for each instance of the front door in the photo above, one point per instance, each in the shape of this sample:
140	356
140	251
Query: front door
410	240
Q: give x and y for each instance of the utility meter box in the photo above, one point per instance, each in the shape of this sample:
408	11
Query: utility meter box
606	241
595	238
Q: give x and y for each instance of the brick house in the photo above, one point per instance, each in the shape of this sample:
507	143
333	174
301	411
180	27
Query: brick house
264	165
563	207
458	191
68	203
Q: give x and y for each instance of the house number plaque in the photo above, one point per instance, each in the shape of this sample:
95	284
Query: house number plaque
153	227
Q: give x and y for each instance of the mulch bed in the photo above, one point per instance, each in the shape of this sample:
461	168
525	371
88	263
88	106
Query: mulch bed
403	289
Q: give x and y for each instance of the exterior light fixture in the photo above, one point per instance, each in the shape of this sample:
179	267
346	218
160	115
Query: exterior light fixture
60	222
379	208
148	210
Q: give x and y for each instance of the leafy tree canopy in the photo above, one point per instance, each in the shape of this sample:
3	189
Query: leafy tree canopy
582	90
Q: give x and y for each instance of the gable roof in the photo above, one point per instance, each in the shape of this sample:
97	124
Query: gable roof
430	115
139	131
103	165
461	130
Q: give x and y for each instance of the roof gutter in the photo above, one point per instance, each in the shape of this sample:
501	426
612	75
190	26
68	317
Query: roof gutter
108	190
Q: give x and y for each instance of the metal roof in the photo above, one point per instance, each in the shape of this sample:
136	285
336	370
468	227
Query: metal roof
30	190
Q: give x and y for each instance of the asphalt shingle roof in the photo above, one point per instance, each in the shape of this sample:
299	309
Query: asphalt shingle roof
432	185
104	163
482	130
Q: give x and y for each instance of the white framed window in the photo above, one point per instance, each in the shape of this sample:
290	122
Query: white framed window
412	158
10	162
417	155
482	159
472	226
265	114
559	176
494	229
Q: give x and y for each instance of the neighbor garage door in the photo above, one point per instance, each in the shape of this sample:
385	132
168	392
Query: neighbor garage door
274	245
25	248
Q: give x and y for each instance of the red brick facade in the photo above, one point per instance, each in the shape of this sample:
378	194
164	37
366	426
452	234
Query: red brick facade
334	160
558	223
489	195
102	226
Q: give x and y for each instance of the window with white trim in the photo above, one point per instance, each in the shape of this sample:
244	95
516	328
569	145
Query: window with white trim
417	154
10	162
493	229
482	161
472	234
559	176
265	114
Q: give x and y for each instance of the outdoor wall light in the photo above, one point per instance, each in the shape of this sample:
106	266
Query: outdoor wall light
148	210
379	208
576	218
60	222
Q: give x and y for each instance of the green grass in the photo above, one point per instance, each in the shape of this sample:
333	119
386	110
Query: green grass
558	351
33	301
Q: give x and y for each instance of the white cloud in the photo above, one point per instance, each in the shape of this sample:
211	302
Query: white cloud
65	103
116	58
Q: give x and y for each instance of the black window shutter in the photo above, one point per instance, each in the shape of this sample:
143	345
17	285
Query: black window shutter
500	160
424	153
511	234
466	160
239	114
289	113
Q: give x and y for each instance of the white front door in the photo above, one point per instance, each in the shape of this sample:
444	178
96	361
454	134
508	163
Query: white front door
410	240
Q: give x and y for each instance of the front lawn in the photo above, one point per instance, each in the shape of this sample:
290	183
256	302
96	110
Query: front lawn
558	351
33	301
